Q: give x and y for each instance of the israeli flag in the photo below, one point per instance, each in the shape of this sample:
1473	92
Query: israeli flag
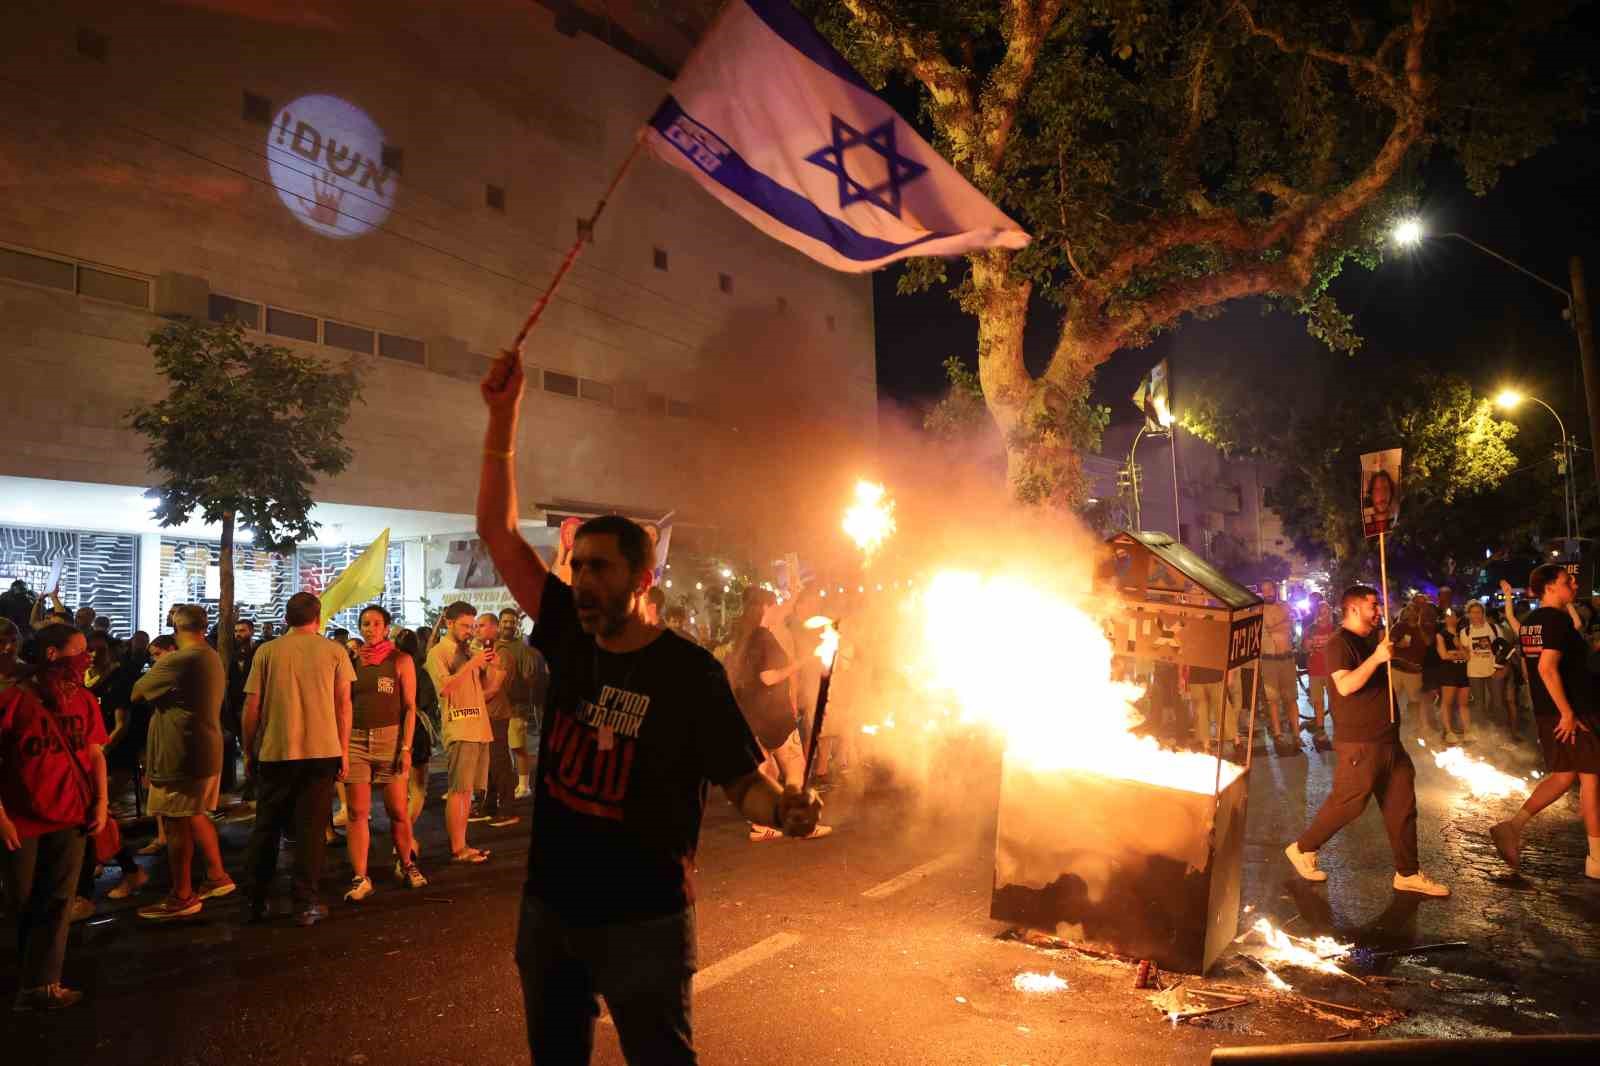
775	124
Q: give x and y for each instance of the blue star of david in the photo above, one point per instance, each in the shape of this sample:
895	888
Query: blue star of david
880	139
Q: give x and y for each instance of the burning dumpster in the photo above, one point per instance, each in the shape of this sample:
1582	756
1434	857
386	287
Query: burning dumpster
1138	852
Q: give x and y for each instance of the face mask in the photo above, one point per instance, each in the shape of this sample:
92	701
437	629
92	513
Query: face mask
71	668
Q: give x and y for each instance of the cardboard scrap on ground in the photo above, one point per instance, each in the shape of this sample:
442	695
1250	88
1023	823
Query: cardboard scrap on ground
1180	1003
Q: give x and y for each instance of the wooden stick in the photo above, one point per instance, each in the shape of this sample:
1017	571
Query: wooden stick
1383	573
585	234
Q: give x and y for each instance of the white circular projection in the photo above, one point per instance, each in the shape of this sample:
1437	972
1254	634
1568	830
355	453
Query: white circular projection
325	156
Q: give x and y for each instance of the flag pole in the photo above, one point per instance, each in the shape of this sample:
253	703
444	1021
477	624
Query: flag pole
585	234
1383	577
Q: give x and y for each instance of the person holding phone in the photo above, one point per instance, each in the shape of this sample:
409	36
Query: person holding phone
459	674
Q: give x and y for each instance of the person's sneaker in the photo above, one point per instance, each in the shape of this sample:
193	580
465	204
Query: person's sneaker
216	889
171	908
1304	862
412	877
758	833
155	847
522	793
479	816
1467	736
131	882
360	889
1421	884
309	916
81	910
46	997
500	821
818	832
1591	867
1508	842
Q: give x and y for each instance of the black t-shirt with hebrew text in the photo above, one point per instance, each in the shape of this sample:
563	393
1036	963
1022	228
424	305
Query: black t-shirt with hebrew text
1550	629
630	746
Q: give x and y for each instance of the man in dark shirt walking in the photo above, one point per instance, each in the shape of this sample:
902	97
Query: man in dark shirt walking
1565	711
638	725
1369	758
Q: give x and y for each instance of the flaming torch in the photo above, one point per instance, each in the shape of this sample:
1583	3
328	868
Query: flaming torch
827	648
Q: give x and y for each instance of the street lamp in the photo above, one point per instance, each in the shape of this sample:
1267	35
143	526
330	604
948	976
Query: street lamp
1165	417
1507	400
1409	233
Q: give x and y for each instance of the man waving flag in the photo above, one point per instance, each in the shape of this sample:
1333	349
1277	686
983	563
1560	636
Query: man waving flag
775	124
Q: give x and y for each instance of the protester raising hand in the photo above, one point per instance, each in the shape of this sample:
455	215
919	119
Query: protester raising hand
502	385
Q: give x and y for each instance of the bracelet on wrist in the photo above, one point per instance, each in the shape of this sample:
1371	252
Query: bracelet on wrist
496	453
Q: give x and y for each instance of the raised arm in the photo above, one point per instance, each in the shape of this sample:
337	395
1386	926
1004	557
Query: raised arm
1506	593
520	566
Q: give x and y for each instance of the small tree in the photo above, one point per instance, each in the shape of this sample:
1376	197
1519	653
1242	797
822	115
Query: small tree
242	435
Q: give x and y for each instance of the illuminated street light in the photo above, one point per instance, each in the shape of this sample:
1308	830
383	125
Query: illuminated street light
1408	233
1509	398
726	573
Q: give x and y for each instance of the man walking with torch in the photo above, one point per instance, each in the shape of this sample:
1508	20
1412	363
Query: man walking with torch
638	722
1369	758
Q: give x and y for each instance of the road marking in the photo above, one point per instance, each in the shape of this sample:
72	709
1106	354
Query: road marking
735	964
911	876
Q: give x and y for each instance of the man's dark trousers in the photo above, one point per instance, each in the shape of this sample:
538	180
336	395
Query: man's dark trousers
1364	770
502	774
293	796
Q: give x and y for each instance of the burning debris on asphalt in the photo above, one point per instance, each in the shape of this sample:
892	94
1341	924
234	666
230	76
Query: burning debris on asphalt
1038	983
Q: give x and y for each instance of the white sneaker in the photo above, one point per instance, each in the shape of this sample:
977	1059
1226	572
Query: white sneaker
1304	862
1591	867
1421	884
522	793
360	889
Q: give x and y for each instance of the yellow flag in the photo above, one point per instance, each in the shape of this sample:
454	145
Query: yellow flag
361	582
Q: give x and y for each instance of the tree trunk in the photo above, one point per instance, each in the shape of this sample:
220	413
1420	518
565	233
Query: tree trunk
225	611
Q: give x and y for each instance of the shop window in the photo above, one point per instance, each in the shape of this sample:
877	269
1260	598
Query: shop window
118	288
350	338
288	324
222	308
37	270
406	349
561	384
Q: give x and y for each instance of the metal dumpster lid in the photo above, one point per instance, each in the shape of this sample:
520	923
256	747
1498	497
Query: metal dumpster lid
1182	558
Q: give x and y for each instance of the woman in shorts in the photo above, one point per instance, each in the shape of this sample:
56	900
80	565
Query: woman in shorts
384	714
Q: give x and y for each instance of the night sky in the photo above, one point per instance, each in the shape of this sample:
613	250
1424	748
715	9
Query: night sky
1444	302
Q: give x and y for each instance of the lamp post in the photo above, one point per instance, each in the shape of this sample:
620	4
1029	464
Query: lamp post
1409	232
1508	399
1167	421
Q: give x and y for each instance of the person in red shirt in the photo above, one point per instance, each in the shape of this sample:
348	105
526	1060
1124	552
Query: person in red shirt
52	788
1316	645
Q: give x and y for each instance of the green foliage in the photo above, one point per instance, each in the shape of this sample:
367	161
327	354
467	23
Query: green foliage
244	430
961	412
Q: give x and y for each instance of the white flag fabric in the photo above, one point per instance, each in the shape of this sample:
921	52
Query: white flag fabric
775	124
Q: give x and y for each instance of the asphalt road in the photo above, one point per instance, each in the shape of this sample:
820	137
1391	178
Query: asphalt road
872	945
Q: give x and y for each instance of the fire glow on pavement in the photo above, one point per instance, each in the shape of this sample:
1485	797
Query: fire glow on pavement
1479	778
1039	983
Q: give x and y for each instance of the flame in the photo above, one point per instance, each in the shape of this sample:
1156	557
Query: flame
870	520
870	730
1314	953
828	642
1027	662
1039	983
1479	777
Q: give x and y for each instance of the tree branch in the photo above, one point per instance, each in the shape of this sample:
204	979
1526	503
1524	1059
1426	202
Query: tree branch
1025	30
1355	63
950	88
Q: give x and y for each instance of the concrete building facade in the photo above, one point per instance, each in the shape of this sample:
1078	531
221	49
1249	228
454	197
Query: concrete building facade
391	183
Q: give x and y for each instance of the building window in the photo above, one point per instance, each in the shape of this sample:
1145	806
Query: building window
37	270
92	44
598	391
661	258
350	338
406	349
725	282
495	197
257	108
394	158
288	324
561	384
227	309
118	288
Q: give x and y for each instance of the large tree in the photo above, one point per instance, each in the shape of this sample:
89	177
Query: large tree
1171	157
241	437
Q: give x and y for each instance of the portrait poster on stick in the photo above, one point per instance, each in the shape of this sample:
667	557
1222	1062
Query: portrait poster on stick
1380	491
